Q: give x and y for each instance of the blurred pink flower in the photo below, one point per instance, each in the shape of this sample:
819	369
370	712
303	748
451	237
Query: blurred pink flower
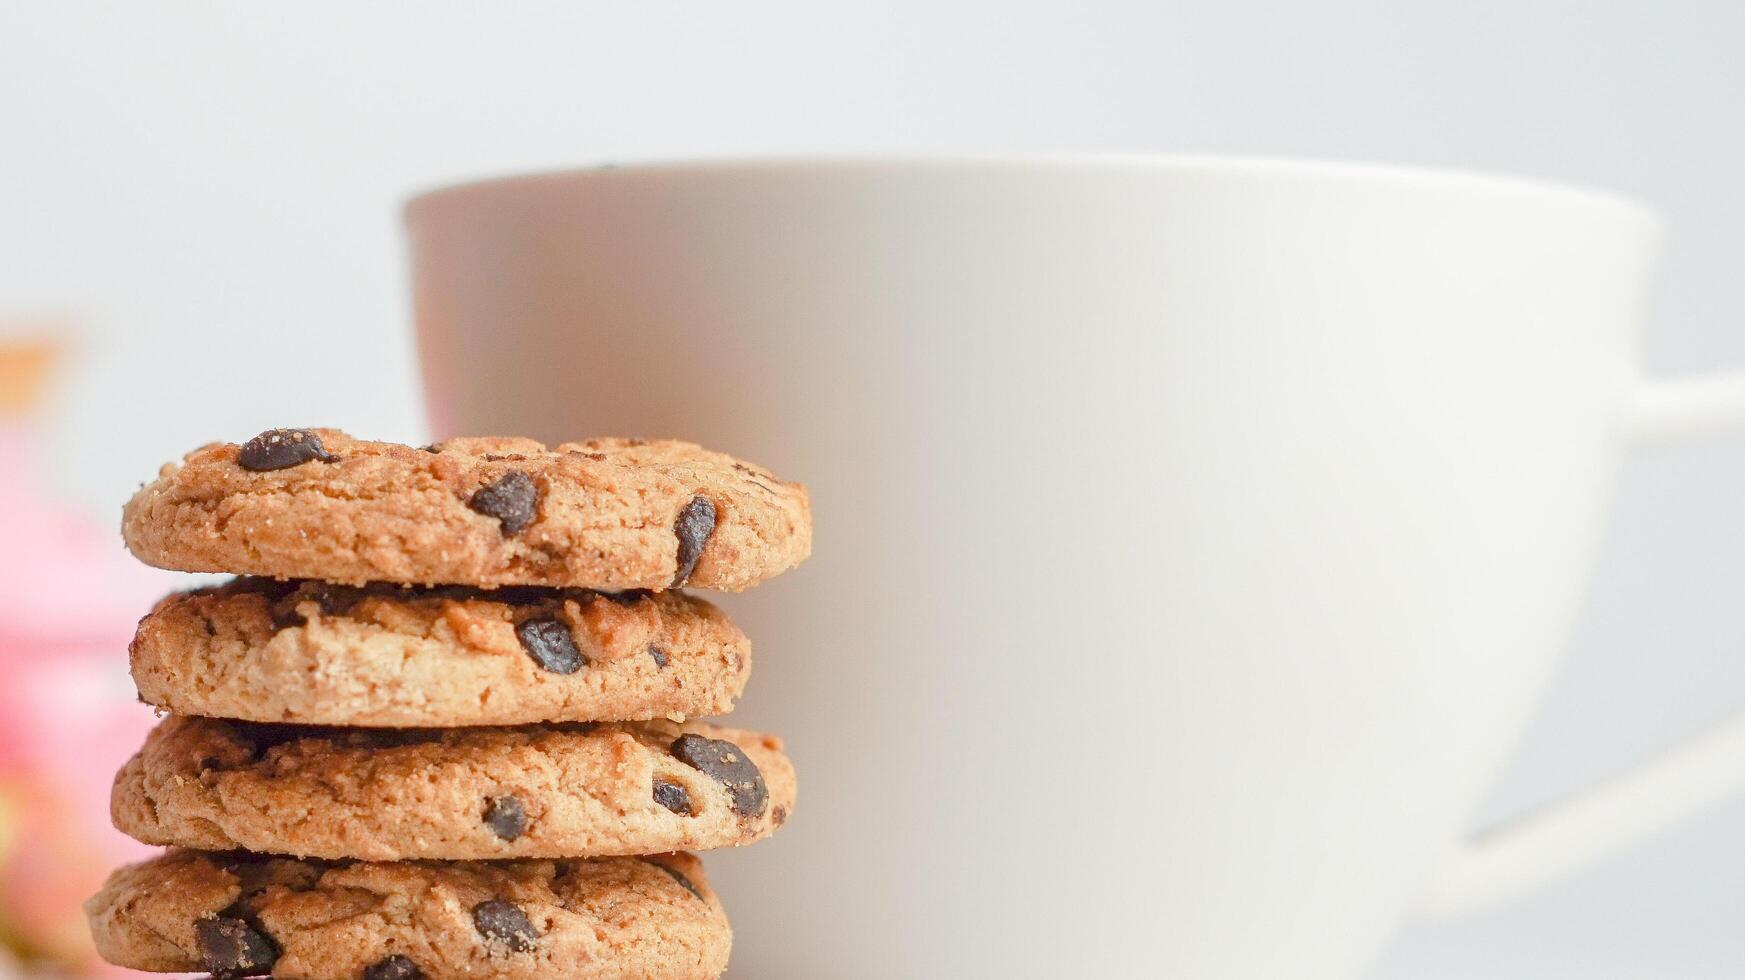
69	599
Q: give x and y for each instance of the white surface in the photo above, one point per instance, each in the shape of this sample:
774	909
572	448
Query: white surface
193	179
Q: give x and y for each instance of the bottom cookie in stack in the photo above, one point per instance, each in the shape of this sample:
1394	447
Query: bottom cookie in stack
236	914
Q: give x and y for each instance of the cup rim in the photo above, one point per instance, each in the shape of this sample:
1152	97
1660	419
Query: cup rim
1448	178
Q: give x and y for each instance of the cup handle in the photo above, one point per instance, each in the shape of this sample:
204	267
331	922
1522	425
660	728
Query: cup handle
1535	848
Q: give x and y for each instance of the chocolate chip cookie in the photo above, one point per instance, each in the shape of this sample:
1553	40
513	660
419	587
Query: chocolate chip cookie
401	656
607	514
459	794
237	915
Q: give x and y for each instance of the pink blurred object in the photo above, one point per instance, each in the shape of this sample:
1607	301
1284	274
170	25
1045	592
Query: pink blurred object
69	599
66	582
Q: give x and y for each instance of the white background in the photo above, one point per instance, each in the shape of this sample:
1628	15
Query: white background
209	191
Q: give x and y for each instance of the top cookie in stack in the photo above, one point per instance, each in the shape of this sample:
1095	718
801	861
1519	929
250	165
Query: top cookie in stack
607	514
455	679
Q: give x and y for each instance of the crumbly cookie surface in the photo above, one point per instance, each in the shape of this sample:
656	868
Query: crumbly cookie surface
236	914
388	656
607	514
453	794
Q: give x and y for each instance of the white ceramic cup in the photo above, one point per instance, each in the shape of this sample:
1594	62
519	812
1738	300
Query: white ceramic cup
1194	536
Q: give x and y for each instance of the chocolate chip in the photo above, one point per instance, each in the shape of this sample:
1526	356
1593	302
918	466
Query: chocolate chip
628	597
505	816
779	815
677	876
233	948
433	449
693	527
549	643
278	449
513	500
502	922
672	796
658	656
395	967
725	763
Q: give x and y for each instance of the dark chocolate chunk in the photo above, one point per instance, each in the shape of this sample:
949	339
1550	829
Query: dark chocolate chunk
549	643
233	948
278	449
513	499
505	816
672	796
779	816
677	876
693	527
725	763
658	655
395	967
500	921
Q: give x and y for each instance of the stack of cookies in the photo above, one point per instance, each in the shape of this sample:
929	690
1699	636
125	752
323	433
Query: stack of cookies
440	726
